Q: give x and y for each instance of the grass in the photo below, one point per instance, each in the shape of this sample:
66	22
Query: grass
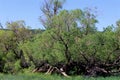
51	77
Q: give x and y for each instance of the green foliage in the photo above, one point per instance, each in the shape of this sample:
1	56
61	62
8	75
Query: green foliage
70	39
17	66
99	45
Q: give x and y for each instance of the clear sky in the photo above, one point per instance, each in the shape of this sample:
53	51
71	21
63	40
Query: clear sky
29	10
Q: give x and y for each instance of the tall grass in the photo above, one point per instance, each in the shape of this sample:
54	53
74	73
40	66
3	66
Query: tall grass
51	77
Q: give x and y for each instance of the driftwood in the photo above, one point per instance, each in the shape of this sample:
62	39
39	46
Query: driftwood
97	69
50	69
55	69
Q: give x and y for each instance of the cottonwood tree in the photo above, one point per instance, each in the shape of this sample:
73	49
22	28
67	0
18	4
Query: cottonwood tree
49	9
88	21
20	30
6	45
21	34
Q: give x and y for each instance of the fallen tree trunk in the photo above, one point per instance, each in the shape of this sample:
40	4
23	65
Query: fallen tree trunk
97	69
50	70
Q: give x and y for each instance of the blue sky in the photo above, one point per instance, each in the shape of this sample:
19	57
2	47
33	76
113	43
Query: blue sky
108	11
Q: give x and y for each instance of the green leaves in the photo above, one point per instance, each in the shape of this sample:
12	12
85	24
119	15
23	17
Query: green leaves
71	38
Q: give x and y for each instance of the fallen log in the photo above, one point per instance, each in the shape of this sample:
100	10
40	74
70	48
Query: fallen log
50	69
57	70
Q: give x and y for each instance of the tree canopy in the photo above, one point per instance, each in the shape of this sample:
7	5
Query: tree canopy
70	44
